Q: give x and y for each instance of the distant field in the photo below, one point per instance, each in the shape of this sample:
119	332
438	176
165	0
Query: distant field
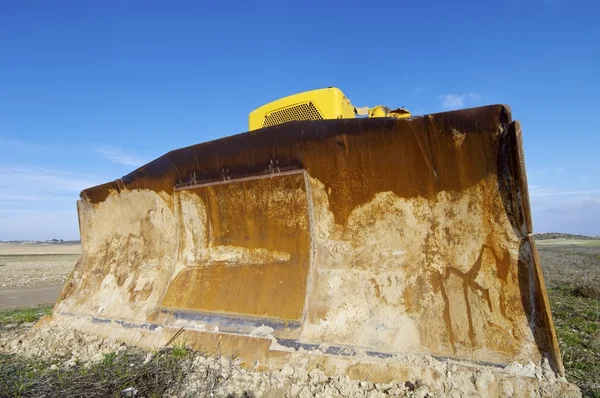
568	242
34	264
8	249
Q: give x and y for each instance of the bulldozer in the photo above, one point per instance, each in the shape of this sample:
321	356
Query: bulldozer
367	241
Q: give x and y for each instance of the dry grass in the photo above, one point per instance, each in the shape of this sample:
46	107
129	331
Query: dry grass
128	373
572	274
122	374
587	289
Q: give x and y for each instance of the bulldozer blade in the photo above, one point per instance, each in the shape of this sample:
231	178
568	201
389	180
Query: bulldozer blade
352	244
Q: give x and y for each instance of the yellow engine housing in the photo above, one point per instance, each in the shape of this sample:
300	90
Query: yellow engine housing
325	103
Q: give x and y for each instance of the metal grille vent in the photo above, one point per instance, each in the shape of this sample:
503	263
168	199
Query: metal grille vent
306	111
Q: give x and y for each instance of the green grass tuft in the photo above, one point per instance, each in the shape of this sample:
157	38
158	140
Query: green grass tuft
23	315
180	350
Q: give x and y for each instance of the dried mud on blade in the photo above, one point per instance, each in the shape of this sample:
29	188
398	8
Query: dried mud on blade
350	244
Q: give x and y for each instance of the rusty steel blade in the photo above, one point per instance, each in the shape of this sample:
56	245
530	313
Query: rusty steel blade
362	238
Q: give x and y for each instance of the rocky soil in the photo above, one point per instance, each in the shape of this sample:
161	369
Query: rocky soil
223	377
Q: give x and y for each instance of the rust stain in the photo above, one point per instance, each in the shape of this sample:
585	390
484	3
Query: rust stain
376	287
438	285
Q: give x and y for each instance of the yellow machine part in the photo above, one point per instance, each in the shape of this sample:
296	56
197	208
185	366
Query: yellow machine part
350	243
325	103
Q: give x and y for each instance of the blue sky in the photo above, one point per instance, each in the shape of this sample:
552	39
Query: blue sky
90	90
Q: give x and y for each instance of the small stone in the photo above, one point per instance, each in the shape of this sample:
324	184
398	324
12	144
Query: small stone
287	370
366	385
422	392
148	358
454	394
301	374
317	376
507	388
395	391
305	393
295	390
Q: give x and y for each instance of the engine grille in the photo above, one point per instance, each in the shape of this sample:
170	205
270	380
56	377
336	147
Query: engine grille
306	111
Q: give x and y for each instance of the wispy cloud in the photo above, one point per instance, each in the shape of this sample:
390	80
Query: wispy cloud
118	155
16	198
579	216
37	224
475	96
565	210
39	203
13	145
35	180
456	101
551	192
452	101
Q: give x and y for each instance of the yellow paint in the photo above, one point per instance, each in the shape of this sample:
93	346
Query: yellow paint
325	103
330	103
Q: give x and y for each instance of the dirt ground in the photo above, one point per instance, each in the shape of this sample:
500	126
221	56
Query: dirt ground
34	273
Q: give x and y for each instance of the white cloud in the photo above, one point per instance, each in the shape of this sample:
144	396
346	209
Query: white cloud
551	192
31	224
578	216
40	203
452	101
574	211
11	197
36	180
457	101
12	145
117	155
475	96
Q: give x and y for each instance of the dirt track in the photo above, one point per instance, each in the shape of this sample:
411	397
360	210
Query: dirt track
26	296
